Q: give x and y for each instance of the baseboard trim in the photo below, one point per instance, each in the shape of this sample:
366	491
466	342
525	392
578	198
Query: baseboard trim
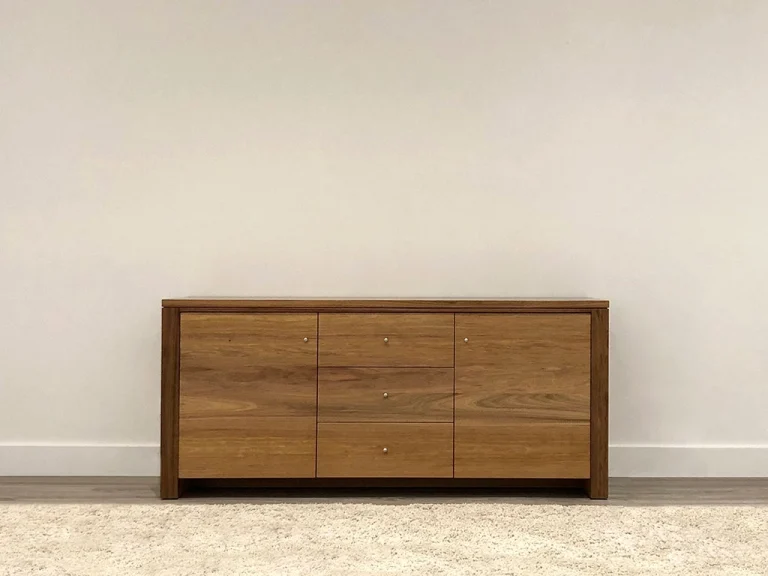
688	461
626	460
79	460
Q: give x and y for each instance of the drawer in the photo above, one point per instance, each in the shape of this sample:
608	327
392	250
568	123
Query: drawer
386	340
522	450
230	344
257	392
248	365
523	367
242	447
385	395
384	450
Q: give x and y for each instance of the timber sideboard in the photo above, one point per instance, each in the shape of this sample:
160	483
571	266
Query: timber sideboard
443	393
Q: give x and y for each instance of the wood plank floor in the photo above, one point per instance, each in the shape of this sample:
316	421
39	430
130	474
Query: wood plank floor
623	491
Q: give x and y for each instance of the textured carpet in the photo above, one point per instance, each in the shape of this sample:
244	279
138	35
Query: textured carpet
388	538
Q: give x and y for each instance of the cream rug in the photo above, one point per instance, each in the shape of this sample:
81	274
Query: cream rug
369	538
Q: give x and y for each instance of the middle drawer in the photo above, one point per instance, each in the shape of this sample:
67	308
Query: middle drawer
385	395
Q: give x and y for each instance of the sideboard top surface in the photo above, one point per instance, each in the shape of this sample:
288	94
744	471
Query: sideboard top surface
384	305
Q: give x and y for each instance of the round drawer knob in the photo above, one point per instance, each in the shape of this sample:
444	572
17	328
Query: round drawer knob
386	340
386	395
306	339
385	450
466	339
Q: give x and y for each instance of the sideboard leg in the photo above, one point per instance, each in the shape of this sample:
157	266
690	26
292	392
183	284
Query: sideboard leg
598	476
169	405
169	491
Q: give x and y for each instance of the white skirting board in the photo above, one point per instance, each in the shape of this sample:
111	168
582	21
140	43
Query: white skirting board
745	461
79	460
689	461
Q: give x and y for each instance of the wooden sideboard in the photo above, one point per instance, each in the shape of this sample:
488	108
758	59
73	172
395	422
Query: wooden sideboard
385	392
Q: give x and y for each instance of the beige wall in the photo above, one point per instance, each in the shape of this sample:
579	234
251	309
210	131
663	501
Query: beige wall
368	148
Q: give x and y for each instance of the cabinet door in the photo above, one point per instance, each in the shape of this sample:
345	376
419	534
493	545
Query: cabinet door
522	395
248	395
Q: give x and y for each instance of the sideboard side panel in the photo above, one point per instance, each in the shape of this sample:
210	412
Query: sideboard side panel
598	477
169	400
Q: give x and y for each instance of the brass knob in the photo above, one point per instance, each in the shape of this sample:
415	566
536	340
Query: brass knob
466	339
385	450
386	395
386	340
306	339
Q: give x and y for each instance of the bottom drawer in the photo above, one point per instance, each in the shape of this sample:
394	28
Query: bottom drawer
522	450
385	450
243	447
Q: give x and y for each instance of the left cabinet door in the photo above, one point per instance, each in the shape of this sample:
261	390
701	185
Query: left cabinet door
247	395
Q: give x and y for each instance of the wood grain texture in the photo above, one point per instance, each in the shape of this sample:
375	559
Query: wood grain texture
522	396
357	450
223	341
522	450
412	395
391	304
257	392
248	365
598	481
522	367
248	395
169	404
239	447
412	340
253	400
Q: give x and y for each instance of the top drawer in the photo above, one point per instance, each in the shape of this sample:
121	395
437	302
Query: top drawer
221	342
386	340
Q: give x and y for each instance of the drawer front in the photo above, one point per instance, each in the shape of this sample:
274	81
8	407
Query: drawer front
232	342
258	392
238	447
385	395
531	367
248	365
385	450
386	340
522	450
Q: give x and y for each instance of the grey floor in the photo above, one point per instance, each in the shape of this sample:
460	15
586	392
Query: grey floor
623	491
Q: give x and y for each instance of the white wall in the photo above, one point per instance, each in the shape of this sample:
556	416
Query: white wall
604	148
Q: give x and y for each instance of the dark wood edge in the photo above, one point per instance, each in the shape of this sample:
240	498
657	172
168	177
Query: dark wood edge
204	310
356	305
430	483
598	481
169	404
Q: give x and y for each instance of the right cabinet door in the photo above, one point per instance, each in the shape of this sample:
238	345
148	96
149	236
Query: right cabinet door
522	396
